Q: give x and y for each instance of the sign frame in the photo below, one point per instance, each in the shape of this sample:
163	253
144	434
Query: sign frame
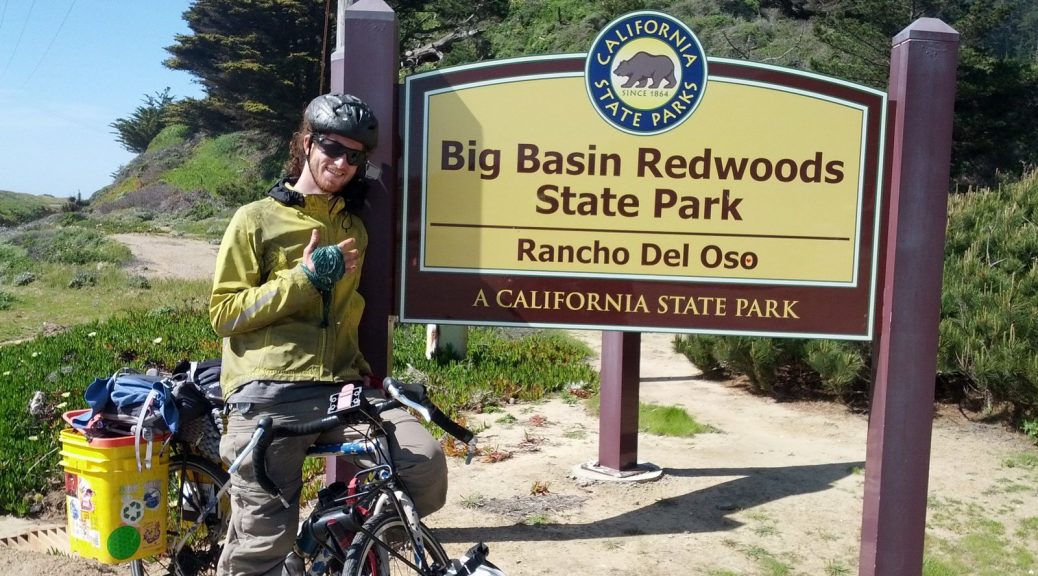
548	300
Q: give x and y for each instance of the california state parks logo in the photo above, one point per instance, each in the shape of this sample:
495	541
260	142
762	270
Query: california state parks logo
645	73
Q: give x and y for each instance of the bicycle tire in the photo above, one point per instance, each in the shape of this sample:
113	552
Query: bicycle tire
193	482
364	557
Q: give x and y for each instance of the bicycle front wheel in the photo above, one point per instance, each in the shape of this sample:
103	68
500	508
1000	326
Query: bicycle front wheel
194	483
366	557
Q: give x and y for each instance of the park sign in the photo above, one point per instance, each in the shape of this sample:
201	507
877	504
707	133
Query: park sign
642	187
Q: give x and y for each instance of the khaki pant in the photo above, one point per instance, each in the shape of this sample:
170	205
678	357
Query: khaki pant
262	531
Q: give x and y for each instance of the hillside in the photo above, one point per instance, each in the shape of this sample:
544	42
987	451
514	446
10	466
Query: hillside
182	172
17	208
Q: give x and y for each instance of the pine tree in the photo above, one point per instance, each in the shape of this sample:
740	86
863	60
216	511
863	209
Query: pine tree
259	61
137	131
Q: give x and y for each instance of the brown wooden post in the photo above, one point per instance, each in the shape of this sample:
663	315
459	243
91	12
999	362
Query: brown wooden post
618	410
922	91
367	67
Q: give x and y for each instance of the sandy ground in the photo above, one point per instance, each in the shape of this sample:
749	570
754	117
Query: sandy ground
777	481
170	257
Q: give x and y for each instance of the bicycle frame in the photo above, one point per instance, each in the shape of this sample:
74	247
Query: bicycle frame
379	479
375	492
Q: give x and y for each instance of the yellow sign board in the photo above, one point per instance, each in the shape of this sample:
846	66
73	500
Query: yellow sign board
762	184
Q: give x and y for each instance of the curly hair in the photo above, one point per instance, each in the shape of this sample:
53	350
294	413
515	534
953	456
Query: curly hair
354	193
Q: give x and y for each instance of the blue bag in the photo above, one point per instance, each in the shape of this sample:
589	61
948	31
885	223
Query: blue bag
129	404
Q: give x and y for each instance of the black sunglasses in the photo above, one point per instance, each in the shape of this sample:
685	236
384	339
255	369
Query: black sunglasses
333	149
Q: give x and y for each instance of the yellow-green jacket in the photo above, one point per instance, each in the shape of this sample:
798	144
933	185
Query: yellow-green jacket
264	306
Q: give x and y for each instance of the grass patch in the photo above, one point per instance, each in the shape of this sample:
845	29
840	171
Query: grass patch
170	136
215	165
211	228
769	564
536	520
669	421
1028	528
50	300
935	567
1025	460
963	540
660	420
836	568
501	364
765	524
69	245
16	207
7	300
61	366
473	501
575	434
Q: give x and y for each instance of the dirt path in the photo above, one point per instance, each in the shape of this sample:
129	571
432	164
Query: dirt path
779	485
170	257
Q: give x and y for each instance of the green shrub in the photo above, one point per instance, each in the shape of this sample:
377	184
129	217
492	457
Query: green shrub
70	245
500	364
839	365
170	136
14	260
700	352
83	279
988	333
758	358
6	300
61	366
216	165
24	279
71	218
138	281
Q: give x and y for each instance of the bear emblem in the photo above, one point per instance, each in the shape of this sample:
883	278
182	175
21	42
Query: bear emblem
643	68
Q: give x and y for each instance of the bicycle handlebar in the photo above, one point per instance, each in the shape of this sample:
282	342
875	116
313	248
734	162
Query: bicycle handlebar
424	406
410	395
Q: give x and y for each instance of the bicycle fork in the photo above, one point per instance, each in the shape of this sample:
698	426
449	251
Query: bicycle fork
406	510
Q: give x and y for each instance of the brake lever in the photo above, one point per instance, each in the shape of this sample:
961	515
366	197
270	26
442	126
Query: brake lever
397	393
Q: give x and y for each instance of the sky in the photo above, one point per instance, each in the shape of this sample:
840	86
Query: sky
68	69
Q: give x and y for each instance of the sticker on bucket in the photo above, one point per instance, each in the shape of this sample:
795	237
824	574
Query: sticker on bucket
73	509
152	532
124	542
152	495
132	511
86	496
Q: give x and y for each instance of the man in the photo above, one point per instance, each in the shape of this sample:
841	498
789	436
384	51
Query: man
285	302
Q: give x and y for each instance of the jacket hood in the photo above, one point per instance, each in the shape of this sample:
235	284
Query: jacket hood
285	195
352	195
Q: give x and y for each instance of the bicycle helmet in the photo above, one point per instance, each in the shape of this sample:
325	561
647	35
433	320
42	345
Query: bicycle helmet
346	115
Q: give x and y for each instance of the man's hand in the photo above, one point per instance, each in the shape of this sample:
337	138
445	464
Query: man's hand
350	255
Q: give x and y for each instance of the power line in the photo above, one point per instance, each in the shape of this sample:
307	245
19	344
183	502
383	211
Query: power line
49	44
2	14
19	41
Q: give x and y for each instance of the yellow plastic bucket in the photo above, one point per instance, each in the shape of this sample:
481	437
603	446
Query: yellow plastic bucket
115	512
